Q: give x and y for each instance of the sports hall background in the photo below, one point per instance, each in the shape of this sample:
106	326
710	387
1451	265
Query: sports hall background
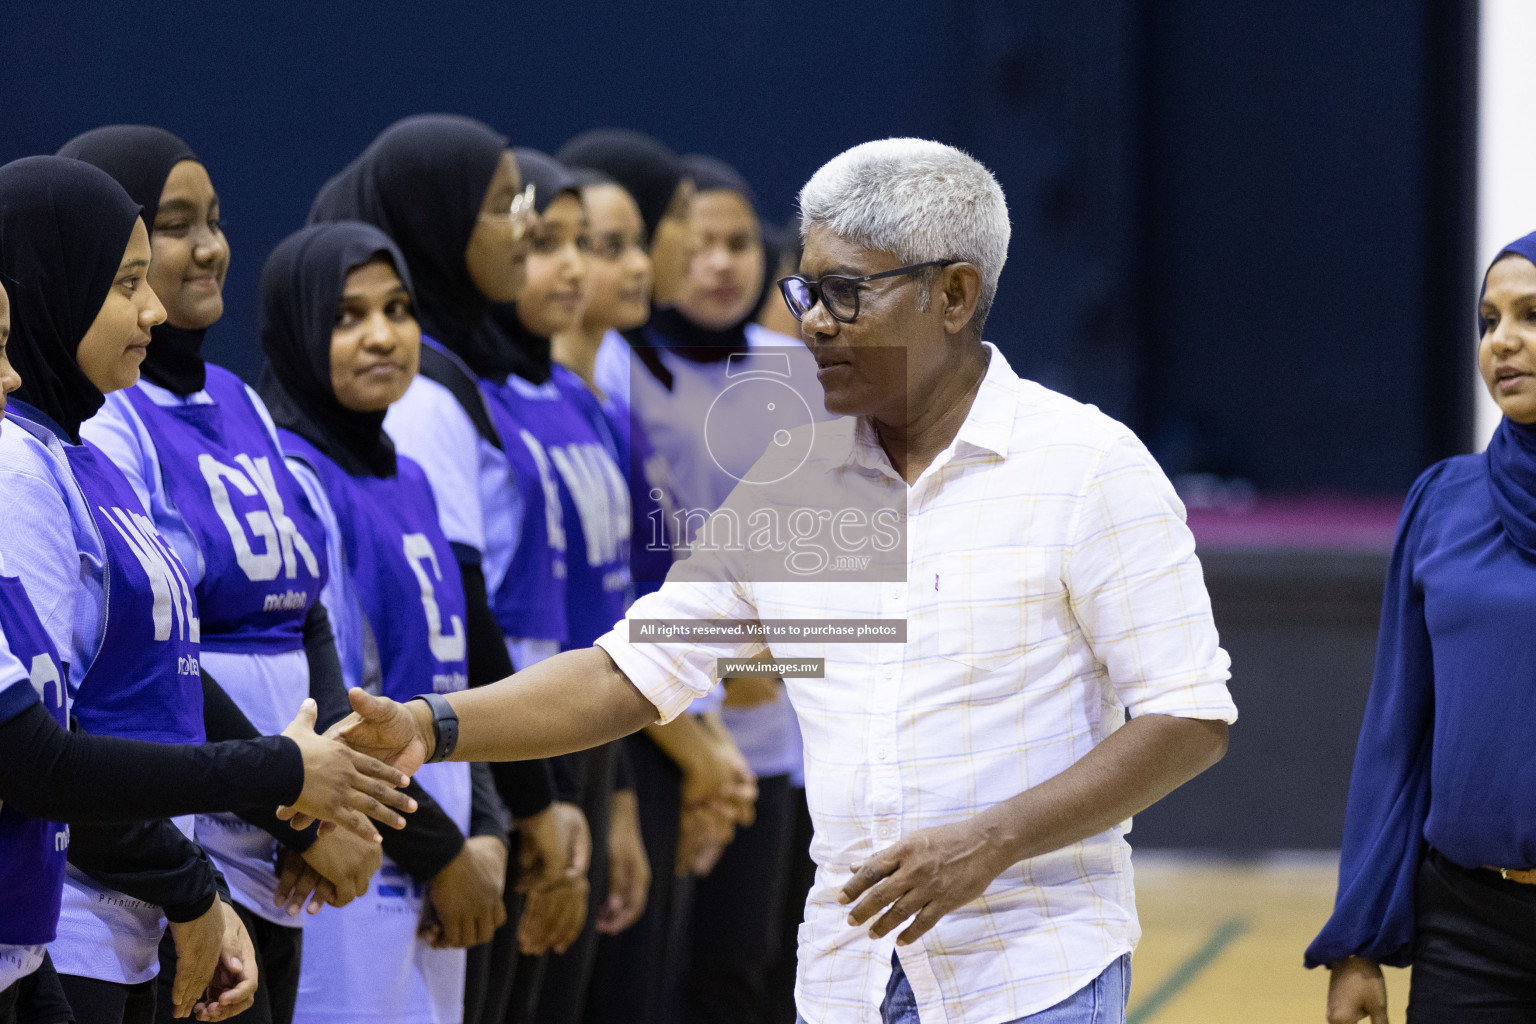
1248	230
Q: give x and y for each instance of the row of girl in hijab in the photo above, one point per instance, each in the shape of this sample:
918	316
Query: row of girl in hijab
439	477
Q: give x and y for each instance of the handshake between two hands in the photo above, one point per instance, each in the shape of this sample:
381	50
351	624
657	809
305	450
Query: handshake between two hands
353	773
356	770
343	786
216	973
348	777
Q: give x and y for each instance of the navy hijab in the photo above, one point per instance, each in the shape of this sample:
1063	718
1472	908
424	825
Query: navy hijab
528	354
63	228
422	182
140	157
301	286
1512	452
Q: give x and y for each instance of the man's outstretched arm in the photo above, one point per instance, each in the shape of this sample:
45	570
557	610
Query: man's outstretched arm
573	701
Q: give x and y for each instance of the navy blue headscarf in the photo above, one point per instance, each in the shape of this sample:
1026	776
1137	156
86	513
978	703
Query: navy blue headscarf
1512	452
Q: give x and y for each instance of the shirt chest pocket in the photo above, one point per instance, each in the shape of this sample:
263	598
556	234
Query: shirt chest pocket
985	609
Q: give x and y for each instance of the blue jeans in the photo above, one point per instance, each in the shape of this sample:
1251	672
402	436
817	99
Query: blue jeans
1101	1001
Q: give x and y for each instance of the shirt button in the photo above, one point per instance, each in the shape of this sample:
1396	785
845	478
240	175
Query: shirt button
885	831
888	671
897	592
883	754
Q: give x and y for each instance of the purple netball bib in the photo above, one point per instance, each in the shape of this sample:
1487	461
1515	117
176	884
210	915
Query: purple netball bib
263	547
32	852
561	427
144	683
406	576
530	601
651	499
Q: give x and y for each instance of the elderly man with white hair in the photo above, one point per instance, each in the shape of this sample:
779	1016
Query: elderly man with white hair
1059	671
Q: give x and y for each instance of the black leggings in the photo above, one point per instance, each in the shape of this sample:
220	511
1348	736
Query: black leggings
279	950
490	969
552	989
801	877
1474	952
109	1002
736	914
36	999
638	978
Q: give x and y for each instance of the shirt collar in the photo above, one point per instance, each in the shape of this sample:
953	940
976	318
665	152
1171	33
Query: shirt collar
19	410
988	425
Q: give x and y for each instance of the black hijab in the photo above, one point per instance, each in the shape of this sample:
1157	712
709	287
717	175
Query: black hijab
680	334
301	286
422	182
63	228
528	354
647	169
650	173
140	157
711	175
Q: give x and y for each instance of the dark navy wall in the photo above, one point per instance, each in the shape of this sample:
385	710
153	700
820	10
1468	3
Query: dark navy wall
276	97
1308	223
1227	217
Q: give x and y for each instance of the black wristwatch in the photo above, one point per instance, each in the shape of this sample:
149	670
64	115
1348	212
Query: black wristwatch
445	726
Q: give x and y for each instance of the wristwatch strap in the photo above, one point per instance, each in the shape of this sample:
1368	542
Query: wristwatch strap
445	726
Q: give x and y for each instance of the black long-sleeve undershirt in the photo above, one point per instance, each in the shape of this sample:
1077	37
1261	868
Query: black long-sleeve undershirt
567	771
69	777
488	816
77	778
527	787
223	720
430	839
623	770
152	861
326	683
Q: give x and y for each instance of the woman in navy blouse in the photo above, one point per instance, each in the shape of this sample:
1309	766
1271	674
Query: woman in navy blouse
1440	836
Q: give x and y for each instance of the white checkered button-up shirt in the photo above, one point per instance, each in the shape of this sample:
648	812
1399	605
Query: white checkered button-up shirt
1051	588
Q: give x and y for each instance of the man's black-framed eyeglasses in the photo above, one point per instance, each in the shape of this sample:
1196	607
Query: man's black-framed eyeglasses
839	296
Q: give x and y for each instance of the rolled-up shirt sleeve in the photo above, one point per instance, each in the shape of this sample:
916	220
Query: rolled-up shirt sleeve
672	674
1138	592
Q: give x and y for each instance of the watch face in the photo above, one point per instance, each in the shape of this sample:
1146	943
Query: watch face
752	417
